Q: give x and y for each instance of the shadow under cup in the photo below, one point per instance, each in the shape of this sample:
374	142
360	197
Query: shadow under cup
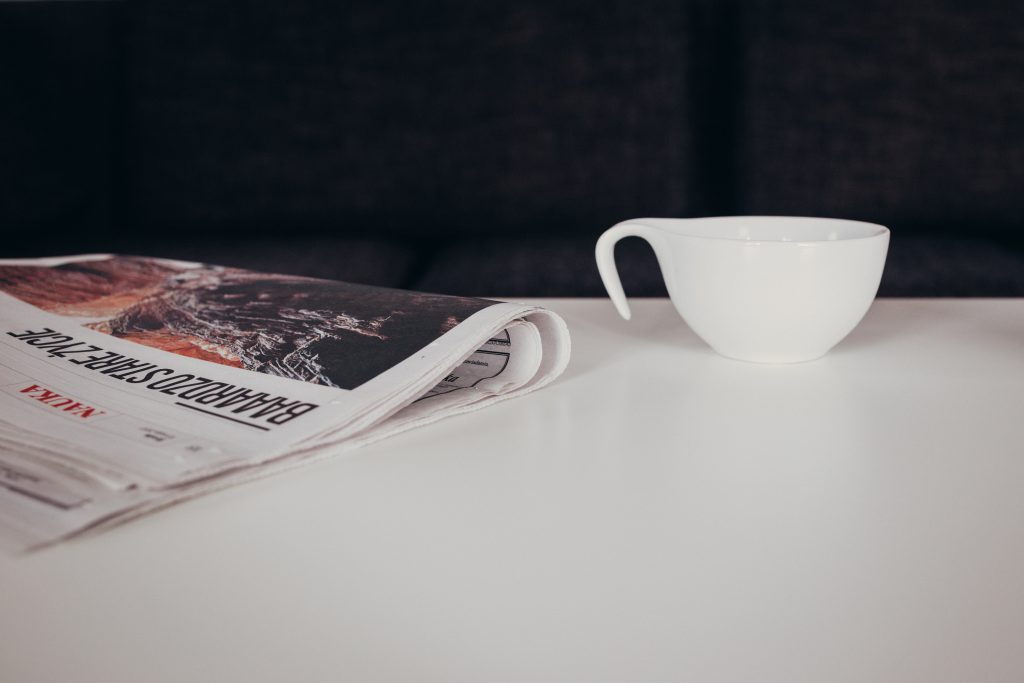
768	289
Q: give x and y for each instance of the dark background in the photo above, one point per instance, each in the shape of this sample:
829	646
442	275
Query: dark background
481	148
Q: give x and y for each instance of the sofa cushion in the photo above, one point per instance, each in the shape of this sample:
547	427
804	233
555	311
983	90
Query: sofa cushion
944	266
916	266
538	267
407	118
57	117
371	262
908	114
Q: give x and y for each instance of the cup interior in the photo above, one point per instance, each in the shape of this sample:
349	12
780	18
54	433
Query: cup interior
776	229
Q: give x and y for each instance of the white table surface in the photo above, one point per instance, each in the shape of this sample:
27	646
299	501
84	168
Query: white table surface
659	514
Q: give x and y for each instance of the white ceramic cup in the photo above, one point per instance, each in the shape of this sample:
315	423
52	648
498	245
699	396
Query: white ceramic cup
767	289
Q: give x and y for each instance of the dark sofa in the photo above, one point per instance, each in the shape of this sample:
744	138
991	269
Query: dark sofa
480	148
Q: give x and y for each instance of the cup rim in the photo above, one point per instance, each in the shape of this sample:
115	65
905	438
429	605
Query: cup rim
871	230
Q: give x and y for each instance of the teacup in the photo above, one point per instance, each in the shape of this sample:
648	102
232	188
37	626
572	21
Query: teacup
767	289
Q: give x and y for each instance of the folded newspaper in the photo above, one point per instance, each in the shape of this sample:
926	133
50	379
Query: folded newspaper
129	383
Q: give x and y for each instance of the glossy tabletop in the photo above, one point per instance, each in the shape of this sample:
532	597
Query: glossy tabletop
658	514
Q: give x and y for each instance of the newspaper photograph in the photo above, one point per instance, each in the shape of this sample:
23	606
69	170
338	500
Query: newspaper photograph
130	383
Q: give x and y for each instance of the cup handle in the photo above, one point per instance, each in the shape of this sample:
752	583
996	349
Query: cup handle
605	252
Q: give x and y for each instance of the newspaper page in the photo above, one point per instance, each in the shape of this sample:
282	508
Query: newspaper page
130	383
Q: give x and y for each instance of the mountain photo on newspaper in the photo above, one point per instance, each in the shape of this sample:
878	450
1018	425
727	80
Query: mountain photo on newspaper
129	383
330	333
